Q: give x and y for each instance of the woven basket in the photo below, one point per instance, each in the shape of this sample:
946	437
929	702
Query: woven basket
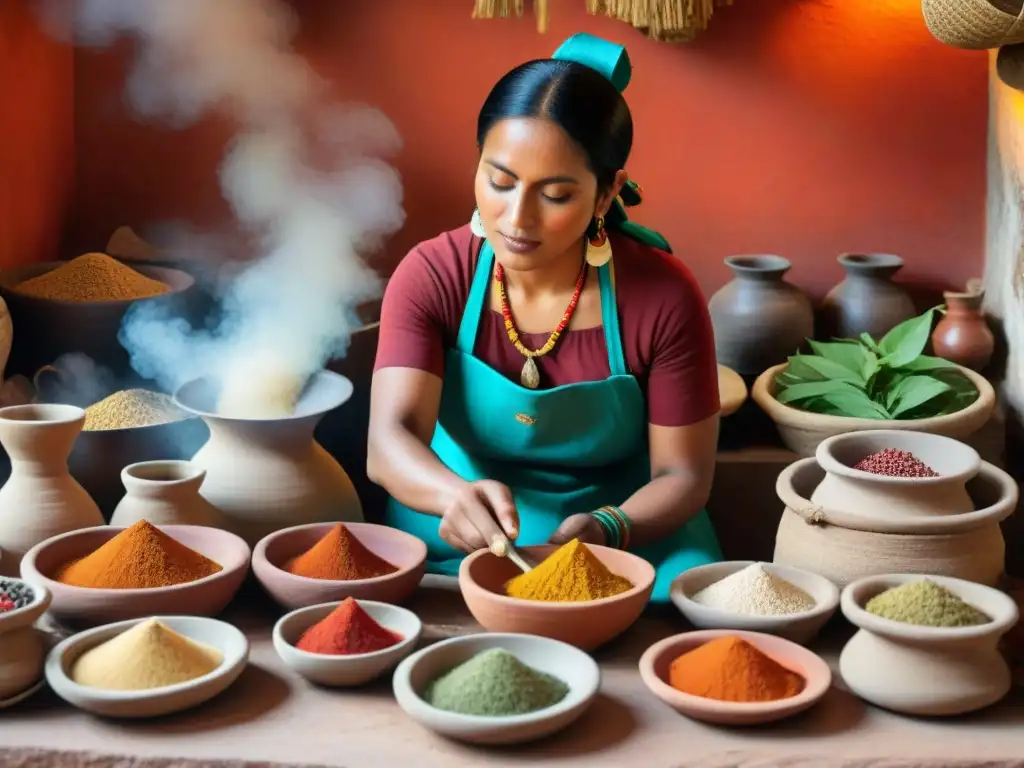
974	24
1010	66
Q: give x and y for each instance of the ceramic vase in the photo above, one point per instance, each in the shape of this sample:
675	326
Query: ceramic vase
759	319
40	499
266	474
962	336
930	671
867	301
164	493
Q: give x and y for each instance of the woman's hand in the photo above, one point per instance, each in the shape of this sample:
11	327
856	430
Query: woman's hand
480	513
584	527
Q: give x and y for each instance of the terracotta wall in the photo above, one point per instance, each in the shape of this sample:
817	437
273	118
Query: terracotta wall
36	136
803	127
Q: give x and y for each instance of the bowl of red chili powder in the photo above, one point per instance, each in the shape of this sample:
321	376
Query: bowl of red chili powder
109	573
326	562
346	643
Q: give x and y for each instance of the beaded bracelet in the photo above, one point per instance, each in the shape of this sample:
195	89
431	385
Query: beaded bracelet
616	525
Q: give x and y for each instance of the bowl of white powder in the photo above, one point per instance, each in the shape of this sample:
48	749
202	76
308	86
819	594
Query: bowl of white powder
758	597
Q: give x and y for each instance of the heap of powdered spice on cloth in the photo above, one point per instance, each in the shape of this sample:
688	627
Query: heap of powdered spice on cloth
147	655
339	556
755	591
139	557
731	669
494	683
570	574
346	631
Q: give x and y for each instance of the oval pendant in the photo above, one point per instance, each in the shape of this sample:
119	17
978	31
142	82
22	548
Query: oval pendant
530	376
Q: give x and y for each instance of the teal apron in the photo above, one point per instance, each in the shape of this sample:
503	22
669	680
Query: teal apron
561	451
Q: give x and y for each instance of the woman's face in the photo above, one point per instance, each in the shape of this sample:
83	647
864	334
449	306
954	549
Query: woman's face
535	193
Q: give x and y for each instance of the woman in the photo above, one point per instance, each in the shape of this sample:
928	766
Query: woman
548	371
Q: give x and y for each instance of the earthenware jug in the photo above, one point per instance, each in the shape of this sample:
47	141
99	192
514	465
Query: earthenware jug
40	499
759	319
266	474
164	493
962	335
867	301
930	671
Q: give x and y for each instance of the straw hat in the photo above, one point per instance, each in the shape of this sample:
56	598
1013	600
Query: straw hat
975	24
1010	66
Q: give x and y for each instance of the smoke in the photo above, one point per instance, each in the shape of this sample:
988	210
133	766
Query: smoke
305	176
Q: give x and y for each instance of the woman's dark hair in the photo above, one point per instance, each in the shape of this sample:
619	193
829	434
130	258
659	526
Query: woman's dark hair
579	99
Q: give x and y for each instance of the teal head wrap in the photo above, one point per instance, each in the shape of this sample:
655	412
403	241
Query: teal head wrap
612	61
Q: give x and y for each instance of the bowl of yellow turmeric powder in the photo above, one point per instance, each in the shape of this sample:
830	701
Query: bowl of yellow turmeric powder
581	594
78	305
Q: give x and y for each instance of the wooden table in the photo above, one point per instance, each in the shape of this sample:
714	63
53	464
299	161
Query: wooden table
272	715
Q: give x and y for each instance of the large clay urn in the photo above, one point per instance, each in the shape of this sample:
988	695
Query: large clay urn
867	301
962	336
758	317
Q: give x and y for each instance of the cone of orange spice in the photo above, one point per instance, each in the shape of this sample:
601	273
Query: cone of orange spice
345	631
731	669
339	556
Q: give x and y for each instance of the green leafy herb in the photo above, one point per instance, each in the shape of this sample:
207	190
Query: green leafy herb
863	378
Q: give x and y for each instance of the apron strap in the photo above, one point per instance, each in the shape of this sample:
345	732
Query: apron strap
478	294
610	320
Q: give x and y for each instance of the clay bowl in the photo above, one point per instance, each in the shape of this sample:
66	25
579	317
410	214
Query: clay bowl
930	671
88	328
802	431
22	646
156	702
572	666
406	552
586	625
799	627
204	597
655	662
348	670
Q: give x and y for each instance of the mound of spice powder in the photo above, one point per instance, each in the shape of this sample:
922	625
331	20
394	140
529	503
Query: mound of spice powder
339	556
570	574
92	277
731	669
755	591
146	656
139	557
925	604
494	683
130	409
895	463
346	631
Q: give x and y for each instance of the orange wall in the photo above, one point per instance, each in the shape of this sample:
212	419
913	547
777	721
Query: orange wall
36	137
803	127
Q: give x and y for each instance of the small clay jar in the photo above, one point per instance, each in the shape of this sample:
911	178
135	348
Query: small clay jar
962	336
867	301
164	493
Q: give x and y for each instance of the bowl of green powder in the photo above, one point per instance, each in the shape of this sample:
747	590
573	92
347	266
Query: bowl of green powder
496	688
926	645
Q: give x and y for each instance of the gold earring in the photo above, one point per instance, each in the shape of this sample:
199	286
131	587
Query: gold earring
476	224
599	249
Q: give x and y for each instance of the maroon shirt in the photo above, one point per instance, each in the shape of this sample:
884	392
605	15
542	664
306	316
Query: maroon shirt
663	318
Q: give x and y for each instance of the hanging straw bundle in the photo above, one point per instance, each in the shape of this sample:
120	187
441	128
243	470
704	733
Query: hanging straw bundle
505	9
671	21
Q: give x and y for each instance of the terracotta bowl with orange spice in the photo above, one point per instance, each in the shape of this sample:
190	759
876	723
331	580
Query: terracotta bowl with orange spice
399	561
206	596
586	625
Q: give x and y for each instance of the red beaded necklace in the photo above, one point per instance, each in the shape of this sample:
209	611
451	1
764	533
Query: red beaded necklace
530	375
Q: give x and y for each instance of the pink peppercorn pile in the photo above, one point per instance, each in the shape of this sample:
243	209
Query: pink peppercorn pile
895	463
6	604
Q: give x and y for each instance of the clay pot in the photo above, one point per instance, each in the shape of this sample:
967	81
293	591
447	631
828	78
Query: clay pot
759	318
164	493
931	671
962	336
867	301
801	431
845	545
22	646
40	498
267	474
885	498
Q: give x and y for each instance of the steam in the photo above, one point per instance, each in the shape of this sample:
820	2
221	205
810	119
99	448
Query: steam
293	308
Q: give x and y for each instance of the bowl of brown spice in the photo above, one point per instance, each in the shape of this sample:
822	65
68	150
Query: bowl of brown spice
109	573
325	562
78	305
